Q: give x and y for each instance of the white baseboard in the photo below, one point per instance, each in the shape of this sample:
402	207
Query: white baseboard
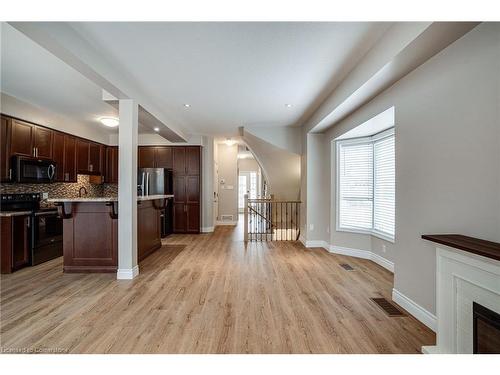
427	349
127	273
364	254
316	243
415	309
231	222
207	229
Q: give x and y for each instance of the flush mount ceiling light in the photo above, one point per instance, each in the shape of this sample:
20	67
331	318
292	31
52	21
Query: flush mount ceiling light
229	141
288	105
156	129
187	105
110	122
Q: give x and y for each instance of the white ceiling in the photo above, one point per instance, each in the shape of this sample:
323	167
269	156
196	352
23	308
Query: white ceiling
234	74
30	73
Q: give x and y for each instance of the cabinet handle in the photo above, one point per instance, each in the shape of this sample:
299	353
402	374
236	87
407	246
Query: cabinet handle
10	174
91	167
28	222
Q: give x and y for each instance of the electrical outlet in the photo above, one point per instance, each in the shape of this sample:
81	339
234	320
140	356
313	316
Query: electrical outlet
311	227
45	195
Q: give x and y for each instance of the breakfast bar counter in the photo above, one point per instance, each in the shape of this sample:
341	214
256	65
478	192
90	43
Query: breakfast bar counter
90	231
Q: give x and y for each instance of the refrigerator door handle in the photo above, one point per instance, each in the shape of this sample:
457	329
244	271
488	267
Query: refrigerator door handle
142	183
147	183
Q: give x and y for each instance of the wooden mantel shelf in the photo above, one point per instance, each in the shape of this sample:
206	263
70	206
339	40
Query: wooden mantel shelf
473	245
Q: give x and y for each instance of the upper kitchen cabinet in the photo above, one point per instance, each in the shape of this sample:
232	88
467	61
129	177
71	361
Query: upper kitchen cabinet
89	157
146	157
58	155
179	160
163	157
5	171
154	157
192	160
69	168
21	140
111	174
30	140
43	142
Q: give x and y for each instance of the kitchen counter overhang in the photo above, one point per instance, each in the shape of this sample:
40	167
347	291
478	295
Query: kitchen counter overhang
90	231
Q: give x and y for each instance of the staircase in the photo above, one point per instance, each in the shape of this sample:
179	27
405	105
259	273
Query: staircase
267	219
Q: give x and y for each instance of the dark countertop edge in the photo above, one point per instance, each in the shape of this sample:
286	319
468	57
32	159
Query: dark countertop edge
472	245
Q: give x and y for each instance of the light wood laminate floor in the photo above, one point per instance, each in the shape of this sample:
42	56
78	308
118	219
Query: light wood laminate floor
209	293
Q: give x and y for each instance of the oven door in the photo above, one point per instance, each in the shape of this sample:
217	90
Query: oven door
47	236
32	170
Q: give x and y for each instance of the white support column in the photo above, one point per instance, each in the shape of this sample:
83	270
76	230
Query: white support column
127	190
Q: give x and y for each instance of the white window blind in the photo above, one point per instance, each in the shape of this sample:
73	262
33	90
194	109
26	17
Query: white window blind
356	185
366	185
384	186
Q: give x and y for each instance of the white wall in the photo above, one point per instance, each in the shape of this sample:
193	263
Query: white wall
447	157
227	160
15	107
285	137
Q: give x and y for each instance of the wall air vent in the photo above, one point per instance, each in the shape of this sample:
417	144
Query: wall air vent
226	217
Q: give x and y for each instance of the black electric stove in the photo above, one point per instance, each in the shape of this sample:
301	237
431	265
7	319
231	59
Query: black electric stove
45	225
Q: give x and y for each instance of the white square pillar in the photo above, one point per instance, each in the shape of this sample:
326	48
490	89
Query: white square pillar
127	190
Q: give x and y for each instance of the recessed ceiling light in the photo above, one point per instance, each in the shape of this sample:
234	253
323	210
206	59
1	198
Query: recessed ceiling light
288	105
187	105
110	122
156	129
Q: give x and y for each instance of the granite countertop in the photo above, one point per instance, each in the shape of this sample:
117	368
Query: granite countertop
106	199
14	213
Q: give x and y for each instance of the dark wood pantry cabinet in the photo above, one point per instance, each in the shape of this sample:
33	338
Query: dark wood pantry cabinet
111	169
187	188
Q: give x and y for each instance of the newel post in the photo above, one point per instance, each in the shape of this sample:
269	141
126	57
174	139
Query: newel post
245	226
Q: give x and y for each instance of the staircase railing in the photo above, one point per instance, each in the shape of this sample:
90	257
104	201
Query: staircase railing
267	219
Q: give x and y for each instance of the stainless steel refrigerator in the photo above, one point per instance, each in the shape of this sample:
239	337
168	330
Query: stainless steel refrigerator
156	181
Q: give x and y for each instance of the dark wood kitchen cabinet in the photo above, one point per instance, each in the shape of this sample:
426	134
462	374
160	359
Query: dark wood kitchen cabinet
89	157
5	170
43	139
58	155
187	189
30	140
15	249
111	169
69	166
154	157
21	140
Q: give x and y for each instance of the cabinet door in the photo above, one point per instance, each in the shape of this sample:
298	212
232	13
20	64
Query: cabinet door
20	246
163	157
179	160
21	140
180	218
82	156
69	158
192	189
146	157
5	172
58	155
192	160
193	218
95	157
111	165
43	142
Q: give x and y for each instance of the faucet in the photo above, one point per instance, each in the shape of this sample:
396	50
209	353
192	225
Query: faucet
80	191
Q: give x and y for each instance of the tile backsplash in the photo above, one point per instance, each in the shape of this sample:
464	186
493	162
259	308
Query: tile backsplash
60	189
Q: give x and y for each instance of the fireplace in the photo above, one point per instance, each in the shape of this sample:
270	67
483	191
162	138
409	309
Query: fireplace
486	331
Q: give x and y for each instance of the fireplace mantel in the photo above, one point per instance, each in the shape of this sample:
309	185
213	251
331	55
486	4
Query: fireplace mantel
467	271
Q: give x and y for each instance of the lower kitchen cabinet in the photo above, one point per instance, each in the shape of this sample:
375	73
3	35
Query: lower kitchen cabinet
15	248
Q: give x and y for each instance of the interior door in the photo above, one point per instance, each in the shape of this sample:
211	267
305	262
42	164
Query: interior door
243	188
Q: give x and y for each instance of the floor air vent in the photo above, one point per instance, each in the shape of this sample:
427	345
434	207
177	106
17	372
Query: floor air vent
387	306
347	267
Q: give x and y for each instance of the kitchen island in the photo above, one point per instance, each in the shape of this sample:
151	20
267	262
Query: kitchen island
90	231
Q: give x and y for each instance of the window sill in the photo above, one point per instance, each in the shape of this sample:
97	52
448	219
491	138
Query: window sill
368	232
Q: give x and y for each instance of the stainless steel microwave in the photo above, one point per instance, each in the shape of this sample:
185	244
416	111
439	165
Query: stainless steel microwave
33	170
